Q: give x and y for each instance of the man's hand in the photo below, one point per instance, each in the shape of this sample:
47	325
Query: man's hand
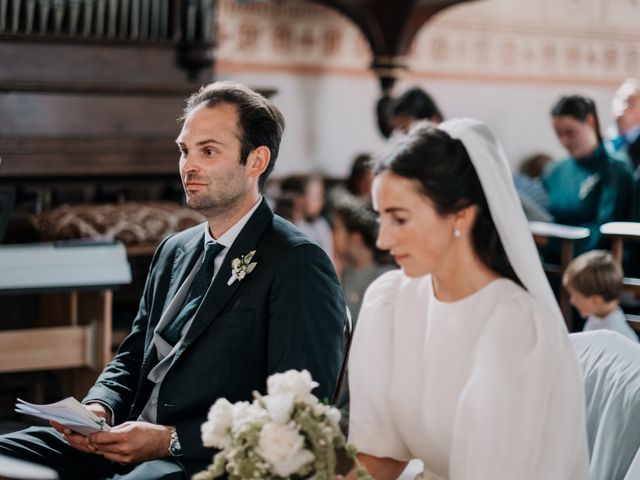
76	440
132	442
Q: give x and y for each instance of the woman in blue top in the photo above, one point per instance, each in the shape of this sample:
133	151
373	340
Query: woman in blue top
592	186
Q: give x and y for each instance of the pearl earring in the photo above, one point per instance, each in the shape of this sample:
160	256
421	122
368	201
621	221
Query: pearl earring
456	232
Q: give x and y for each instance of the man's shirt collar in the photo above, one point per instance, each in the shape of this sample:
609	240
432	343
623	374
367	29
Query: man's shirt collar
228	237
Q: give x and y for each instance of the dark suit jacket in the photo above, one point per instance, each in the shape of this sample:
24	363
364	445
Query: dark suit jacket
634	157
288	313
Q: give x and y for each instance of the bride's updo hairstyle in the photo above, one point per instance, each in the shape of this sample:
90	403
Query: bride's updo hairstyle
442	170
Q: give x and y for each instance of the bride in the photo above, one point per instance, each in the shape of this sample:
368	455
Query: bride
462	358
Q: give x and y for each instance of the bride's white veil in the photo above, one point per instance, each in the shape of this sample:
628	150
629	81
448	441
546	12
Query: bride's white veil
493	170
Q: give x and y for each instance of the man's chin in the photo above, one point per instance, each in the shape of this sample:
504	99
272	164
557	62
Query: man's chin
199	205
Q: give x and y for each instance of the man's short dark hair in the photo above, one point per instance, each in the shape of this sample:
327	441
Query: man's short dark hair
260	122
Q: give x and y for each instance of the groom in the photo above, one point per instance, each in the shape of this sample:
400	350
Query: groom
226	304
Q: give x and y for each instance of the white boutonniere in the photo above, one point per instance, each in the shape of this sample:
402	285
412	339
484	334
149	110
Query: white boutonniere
241	267
587	185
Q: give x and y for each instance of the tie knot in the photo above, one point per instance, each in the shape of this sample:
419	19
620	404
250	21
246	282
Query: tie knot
211	251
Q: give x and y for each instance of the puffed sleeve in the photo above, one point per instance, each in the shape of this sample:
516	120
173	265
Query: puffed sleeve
521	413
371	428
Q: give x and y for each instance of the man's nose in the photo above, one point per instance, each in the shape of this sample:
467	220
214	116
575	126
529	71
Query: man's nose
187	163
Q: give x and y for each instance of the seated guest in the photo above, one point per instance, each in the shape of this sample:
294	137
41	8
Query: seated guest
203	332
625	108
594	281
355	227
626	111
592	186
413	105
461	359
529	177
361	177
306	194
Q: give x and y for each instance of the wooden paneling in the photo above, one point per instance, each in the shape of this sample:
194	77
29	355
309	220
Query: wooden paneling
44	349
81	157
74	107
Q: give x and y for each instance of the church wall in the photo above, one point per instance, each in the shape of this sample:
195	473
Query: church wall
501	61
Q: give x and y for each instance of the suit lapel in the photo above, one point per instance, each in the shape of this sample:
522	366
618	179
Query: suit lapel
220	292
183	263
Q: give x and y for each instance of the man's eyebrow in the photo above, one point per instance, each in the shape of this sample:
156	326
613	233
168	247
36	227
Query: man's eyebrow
201	142
209	140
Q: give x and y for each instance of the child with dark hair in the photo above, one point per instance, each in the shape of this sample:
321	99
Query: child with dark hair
302	202
594	281
533	196
355	228
361	176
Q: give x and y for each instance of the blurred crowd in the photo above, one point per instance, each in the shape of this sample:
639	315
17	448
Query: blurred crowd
597	182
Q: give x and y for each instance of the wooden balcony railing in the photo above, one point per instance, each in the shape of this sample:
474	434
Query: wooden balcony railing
138	20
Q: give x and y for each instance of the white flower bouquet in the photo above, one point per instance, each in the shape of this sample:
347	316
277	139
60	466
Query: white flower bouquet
286	434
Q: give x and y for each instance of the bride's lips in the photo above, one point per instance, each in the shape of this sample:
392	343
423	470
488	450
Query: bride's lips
398	258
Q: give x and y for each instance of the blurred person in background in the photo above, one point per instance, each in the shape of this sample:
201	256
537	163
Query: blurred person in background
625	108
533	196
594	281
626	112
591	186
306	196
413	105
361	177
355	227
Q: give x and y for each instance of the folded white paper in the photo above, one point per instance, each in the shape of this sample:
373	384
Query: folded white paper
68	412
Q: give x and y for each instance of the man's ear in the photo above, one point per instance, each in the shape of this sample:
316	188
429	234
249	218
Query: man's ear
258	161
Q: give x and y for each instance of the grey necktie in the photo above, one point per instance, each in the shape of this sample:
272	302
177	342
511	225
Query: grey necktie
199	287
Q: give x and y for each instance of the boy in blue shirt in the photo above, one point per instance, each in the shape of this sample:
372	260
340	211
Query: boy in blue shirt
594	281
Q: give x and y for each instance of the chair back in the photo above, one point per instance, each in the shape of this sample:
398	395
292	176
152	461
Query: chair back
611	367
342	376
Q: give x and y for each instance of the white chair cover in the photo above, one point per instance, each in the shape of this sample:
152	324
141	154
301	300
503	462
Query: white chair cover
611	365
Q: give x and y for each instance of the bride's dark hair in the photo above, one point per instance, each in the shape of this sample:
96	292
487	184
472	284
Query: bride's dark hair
442	169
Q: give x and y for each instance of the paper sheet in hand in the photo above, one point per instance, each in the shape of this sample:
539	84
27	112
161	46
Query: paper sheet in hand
68	412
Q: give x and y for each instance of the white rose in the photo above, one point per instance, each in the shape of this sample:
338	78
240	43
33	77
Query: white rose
283	448
215	431
318	409
334	415
279	406
294	382
245	413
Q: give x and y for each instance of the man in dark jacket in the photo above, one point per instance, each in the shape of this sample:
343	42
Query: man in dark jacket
226	304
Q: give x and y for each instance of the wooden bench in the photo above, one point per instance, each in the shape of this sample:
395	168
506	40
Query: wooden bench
621	233
72	286
567	235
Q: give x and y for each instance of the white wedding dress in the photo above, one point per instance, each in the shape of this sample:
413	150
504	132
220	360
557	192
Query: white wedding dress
485	388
